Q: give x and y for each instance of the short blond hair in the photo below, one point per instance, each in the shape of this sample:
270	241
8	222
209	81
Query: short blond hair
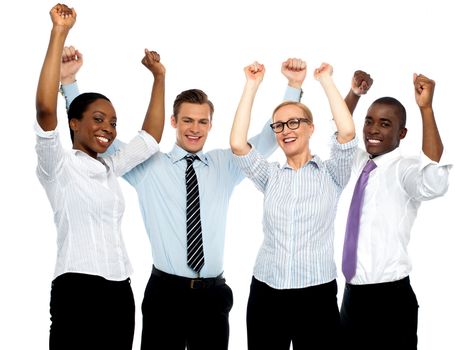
306	111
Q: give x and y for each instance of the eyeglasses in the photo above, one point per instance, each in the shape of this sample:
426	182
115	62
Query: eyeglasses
292	124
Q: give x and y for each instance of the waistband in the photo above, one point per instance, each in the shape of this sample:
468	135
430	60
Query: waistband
79	278
405	282
190	283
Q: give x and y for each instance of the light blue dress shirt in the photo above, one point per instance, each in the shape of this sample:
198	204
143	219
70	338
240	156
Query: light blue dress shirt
160	185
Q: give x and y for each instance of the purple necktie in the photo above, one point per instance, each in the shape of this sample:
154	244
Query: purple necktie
353	223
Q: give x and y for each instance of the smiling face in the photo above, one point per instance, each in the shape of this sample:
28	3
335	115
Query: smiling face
192	124
293	142
383	128
96	130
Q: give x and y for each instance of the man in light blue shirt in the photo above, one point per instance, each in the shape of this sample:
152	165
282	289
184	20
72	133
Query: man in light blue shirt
182	307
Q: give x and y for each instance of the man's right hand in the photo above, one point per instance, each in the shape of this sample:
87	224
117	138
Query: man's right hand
295	70
71	62
361	83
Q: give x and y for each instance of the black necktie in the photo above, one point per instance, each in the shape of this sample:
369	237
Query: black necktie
195	256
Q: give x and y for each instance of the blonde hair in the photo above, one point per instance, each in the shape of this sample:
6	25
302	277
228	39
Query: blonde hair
306	111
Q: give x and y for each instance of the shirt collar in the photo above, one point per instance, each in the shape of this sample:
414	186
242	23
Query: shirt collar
82	154
316	161
98	164
177	153
387	157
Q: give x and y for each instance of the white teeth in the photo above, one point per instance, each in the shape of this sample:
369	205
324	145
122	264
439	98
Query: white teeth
102	139
290	139
374	141
193	137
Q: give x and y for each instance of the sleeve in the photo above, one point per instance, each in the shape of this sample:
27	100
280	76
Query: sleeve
341	159
293	94
50	153
69	92
265	142
255	167
127	156
116	145
424	179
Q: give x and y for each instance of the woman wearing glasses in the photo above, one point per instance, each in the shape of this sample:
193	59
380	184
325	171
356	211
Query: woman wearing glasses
293	295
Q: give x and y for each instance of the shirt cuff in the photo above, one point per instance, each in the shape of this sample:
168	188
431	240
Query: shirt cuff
69	92
50	134
444	162
248	159
293	94
343	146
149	140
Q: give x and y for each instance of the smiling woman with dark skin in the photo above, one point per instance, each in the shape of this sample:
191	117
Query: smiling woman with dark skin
92	305
94	129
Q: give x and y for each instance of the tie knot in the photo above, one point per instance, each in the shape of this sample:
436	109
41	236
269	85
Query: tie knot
190	158
370	166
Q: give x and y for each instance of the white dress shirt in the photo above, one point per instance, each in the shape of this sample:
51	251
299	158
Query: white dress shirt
392	197
88	204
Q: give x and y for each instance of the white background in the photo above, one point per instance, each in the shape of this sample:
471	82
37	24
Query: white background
205	44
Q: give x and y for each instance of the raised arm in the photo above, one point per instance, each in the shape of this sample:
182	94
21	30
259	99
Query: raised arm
238	139
154	119
360	84
431	142
295	70
71	63
341	114
63	19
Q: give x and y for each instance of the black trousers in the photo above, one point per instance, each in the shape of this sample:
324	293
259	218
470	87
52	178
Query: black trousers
179	312
306	317
90	312
380	316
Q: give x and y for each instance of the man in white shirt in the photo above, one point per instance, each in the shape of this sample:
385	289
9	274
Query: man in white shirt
379	308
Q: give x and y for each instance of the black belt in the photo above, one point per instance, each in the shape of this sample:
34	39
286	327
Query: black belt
191	283
378	286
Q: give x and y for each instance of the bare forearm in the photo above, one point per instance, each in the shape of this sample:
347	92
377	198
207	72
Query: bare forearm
47	91
341	114
431	141
240	128
155	118
351	100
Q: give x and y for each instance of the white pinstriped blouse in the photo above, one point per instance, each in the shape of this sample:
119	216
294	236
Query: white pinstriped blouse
88	204
298	216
